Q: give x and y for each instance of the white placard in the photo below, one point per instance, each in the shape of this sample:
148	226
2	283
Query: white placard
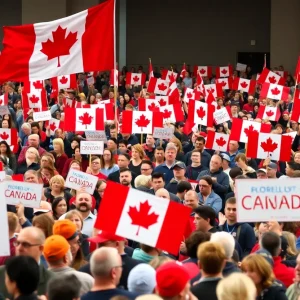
268	199
163	133
16	192
2	176
241	67
77	180
4	110
4	244
91	147
95	136
42	116
221	115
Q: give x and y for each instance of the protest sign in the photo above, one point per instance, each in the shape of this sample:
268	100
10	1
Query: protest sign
4	110
270	199
4	241
2	176
91	147
16	192
221	116
77	180
95	136
241	67
42	116
163	133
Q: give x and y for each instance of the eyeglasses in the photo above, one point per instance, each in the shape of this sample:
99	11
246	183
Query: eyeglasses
25	244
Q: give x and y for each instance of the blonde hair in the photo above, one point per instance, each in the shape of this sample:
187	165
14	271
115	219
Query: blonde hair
60	142
59	179
142	180
37	155
12	222
157	261
291	239
139	149
235	287
75	213
177	143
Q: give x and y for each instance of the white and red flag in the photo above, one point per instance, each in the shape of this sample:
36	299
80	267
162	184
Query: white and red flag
82	119
205	71
4	99
168	75
244	85
266	145
64	82
35	99
135	78
142	217
141	121
297	71
10	136
183	71
114	77
63	46
69	102
241	129
268	112
33	85
54	124
201	113
226	71
151	74
108	111
214	89
283	74
158	86
226	83
295	116
191	94
217	141
268	76
152	104
200	84
274	91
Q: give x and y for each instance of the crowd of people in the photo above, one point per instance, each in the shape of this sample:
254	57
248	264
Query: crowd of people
55	251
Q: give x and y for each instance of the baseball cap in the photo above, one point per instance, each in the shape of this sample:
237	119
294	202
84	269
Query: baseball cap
180	165
44	208
65	228
262	170
272	165
105	236
171	279
225	156
55	247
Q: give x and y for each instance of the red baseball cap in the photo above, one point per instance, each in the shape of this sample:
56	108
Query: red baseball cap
105	236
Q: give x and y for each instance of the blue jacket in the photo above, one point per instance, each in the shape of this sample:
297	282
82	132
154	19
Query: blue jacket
168	173
213	200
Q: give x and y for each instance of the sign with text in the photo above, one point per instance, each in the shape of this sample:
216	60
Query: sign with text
95	136
4	237
4	110
16	192
2	176
221	116
42	116
163	133
91	147
268	199
241	67
77	180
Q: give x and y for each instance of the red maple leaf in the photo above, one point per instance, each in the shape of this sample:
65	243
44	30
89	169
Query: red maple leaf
153	107
269	146
211	90
244	84
223	83
162	86
202	71
162	102
250	129
52	126
60	45
220	142
275	91
63	80
189	95
34	99
4	136
201	112
272	79
172	77
136	78
86	119
224	71
167	114
38	84
142	122
269	113
141	217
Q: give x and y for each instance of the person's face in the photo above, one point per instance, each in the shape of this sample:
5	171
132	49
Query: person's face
113	133
31	178
46	174
170	155
234	109
59	133
271	173
215	163
199	145
233	146
256	278
285	117
44	161
178	172
250	100
196	158
33	141
30	153
190	200
19	105
77	221
201	224
230	212
262	175
56	147
123	162
56	186
101	189
150	140
297	158
84	202
106	155
61	208
75	166
125	178
159	155
96	165
122	148
135	154
34	130
162	194
74	144
77	152
126	97
157	183
5	124
225	164
297	269
111	145
240	163
288	171
3	148
146	169
204	187
74	245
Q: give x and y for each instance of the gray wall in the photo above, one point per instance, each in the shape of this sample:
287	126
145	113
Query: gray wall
201	32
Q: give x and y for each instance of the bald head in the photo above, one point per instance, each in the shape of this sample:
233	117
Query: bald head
191	199
162	193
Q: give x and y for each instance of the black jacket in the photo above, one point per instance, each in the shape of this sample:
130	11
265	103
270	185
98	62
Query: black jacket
275	292
206	289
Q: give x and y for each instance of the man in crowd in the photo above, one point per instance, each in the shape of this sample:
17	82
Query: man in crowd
205	219
179	170
126	177
195	168
149	146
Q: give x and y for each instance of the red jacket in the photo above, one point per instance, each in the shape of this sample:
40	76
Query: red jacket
3	259
282	272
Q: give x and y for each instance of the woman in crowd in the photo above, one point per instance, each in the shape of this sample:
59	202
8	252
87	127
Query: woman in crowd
137	155
7	157
32	161
177	143
83	162
57	189
241	161
108	165
59	207
46	173
45	223
61	157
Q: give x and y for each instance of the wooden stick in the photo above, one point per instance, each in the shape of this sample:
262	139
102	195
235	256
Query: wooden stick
90	160
142	138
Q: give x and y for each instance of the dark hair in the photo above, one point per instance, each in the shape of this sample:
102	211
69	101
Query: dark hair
114	140
55	204
112	126
123	142
271	242
157	175
206	212
122	170
231	200
184	186
234	172
35	124
148	162
8	150
25	272
159	148
207	179
293	165
194	240
64	287
200	139
126	155
112	159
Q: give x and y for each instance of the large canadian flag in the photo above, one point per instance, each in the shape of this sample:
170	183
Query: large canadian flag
135	78
245	85
268	76
142	217
274	91
141	121
50	49
158	86
241	129
217	141
268	112
273	146
10	136
64	82
169	75
201	113
205	71
224	71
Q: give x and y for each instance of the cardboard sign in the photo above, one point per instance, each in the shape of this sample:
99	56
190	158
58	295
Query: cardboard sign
16	192
241	67
42	116
163	133
268	199
2	176
77	179
221	115
4	110
4	240
96	136
91	147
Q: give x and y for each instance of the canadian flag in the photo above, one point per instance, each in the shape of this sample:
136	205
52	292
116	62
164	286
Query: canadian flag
4	99
69	102
226	83
108	112
142	217
114	77
201	113
268	112
153	105
191	94
274	146
217	141
64	82
82	119
245	85
10	136
205	71
33	85
295	116
283	74
214	89
135	78
169	75
173	93
268	76
163	100
297	71
46	50
241	129
151	74
183	71
274	91
200	84
226	71
54	124
141	121
172	113
158	86
34	99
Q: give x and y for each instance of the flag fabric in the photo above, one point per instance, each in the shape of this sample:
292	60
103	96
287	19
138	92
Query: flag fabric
54	124
33	85
82	119
295	116
64	82
141	121
200	84
214	89
283	74
217	141
268	112
158	86
226	71
244	85
114	77
191	94
4	99
35	99
69	102
201	113
10	136
241	129
183	71
108	111
226	83
268	76
142	217
169	75
297	71
151	74
266	145
205	71
274	91
135	78
63	46
154	105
